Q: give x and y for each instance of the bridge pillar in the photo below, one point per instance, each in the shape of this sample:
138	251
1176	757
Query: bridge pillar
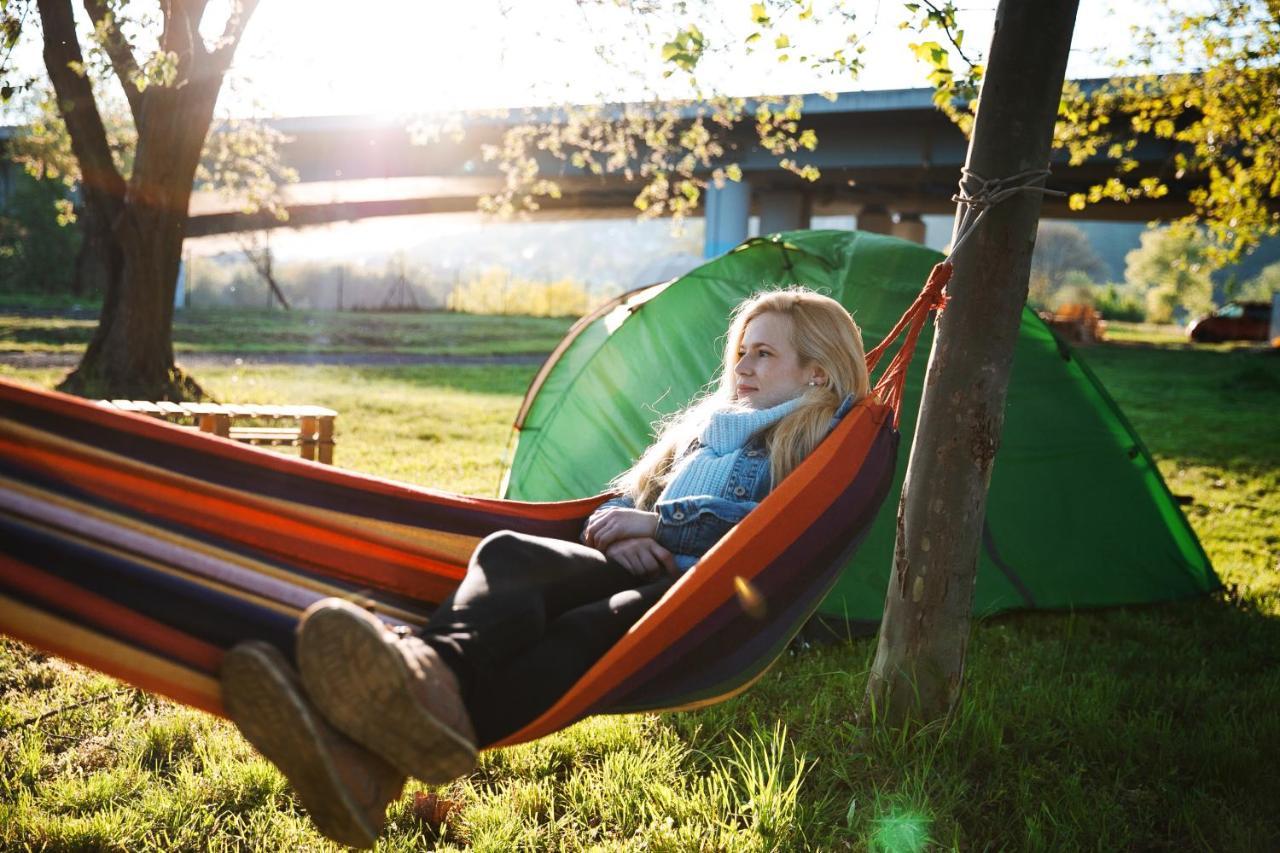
909	227
784	210
727	210
875	219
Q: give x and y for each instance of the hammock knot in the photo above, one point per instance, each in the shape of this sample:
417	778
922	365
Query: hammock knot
935	295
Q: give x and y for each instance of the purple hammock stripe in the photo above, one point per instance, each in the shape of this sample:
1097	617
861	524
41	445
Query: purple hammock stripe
86	527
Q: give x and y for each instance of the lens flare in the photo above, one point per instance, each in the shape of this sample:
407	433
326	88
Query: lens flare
749	597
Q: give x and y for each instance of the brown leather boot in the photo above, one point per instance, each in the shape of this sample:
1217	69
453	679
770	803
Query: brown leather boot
391	694
344	787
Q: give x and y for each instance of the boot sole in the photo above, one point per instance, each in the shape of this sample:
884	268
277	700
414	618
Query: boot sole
363	687
272	715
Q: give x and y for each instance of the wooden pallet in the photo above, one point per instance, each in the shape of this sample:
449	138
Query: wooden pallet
310	428
1078	324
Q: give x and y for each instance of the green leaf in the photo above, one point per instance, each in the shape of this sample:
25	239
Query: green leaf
782	41
759	14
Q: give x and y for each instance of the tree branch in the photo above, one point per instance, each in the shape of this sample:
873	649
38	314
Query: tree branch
79	110
120	53
181	32
230	40
942	19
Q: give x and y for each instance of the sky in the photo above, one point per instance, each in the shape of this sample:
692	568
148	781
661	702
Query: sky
395	57
317	57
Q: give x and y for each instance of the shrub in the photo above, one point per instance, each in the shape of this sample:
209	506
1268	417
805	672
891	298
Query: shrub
1120	302
498	292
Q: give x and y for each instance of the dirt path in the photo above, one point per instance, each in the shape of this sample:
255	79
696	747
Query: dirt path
40	360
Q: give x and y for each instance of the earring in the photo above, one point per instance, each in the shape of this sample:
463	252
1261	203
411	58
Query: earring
812	382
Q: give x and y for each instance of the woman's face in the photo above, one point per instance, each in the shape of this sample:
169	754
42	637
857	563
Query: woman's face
768	371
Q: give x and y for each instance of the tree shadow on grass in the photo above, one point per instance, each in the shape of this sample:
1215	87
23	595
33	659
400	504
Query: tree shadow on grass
1125	728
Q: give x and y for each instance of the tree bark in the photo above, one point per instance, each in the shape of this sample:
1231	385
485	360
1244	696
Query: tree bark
919	663
134	230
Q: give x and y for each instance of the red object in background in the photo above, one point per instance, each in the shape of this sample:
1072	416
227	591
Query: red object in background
1235	321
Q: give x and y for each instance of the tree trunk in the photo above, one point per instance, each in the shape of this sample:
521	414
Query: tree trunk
134	231
919	663
131	354
99	261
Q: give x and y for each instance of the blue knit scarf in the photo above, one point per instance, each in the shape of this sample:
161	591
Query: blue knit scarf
707	470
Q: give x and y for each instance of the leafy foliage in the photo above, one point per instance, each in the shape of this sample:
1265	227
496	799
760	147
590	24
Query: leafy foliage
1262	286
43	149
1172	266
1220	116
35	241
957	96
677	148
13	14
241	161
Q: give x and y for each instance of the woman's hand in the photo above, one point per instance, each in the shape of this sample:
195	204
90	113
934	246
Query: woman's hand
642	557
617	523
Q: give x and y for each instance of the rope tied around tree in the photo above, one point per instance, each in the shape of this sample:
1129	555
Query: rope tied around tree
976	197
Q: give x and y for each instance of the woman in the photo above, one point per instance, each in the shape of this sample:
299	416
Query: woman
373	706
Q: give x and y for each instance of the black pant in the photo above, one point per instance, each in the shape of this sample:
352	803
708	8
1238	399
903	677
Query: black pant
530	617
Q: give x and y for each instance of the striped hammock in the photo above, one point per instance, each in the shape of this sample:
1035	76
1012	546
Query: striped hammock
145	551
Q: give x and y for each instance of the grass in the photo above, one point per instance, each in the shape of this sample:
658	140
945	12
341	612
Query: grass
317	332
1146	333
1152	728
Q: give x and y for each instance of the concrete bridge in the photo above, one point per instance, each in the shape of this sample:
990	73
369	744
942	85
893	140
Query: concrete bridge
885	156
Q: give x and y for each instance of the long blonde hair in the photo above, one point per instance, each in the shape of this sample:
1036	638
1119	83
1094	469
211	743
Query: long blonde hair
822	333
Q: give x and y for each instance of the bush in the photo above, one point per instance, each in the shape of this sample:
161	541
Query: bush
1262	286
1173	270
37	249
1120	302
497	292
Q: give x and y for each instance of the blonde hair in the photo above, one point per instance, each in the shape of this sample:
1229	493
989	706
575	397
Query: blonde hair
823	334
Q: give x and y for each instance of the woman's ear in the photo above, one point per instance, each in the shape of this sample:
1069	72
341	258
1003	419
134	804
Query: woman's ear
817	376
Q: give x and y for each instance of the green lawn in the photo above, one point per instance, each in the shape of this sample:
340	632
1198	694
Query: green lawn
1146	333
1153	728
318	332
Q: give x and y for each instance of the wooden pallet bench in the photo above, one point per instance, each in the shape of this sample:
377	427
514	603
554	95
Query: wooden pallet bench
310	428
1078	324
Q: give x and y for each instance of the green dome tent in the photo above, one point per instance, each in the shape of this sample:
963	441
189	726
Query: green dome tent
1077	516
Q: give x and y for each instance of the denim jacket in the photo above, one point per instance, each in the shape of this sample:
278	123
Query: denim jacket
689	526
